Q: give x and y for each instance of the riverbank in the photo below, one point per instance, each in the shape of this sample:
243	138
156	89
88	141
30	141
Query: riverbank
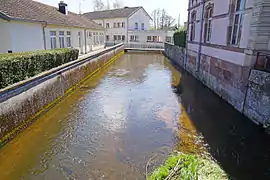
188	166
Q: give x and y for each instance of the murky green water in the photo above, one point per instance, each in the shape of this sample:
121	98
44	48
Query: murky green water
115	122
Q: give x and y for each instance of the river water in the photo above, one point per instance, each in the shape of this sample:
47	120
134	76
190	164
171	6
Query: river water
137	109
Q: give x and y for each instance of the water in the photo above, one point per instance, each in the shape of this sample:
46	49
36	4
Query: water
138	108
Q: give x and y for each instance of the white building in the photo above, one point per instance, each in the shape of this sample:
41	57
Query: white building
130	25
27	25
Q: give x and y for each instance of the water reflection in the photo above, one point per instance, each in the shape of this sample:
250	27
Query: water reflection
139	107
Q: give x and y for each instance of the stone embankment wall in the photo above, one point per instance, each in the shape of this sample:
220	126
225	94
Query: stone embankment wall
19	111
246	90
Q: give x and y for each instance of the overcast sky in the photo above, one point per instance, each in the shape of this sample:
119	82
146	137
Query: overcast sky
173	7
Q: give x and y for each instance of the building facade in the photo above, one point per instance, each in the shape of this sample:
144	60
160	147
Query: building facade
223	42
130	25
38	26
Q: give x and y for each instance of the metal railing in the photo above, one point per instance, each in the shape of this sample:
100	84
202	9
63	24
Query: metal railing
145	45
263	61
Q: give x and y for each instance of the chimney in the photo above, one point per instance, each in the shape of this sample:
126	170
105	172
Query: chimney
63	7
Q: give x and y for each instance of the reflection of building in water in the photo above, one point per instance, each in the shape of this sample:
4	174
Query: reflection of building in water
137	64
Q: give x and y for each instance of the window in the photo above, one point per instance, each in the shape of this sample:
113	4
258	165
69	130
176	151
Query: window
168	39
234	30
136	26
194	2
118	25
107	37
155	38
192	29
79	38
123	24
134	38
61	39
53	39
149	38
101	38
68	39
142	26
114	25
107	25
115	38
123	38
119	37
208	24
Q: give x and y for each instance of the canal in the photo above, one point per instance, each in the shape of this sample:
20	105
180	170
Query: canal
138	108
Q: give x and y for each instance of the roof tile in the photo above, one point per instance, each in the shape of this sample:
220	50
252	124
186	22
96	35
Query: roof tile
29	10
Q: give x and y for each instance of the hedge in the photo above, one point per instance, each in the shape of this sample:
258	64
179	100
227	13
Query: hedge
179	38
15	67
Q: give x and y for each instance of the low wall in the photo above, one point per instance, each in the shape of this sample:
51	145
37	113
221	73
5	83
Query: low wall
229	81
17	112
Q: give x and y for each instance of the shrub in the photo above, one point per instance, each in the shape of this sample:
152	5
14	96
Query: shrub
190	167
179	38
16	67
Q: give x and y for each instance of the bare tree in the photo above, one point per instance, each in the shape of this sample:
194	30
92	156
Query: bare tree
161	19
108	4
117	4
98	5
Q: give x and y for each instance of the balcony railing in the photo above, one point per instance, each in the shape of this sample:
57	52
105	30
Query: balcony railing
263	61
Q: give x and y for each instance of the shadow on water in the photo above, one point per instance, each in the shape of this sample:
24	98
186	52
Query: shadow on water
241	147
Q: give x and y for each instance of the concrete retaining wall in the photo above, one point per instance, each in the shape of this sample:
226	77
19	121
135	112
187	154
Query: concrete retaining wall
248	94
257	104
18	112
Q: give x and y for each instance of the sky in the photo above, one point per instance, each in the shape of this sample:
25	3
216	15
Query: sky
173	7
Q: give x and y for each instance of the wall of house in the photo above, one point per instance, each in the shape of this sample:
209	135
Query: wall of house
26	36
140	17
5	36
86	44
111	31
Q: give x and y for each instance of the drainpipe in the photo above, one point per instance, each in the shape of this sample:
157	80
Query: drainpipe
201	34
44	34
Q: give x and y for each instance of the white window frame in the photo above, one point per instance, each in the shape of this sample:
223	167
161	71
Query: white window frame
53	39
136	26
149	38
142	26
209	24
61	39
237	12
68	39
107	25
193	26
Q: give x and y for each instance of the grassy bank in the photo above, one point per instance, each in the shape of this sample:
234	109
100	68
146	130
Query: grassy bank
182	166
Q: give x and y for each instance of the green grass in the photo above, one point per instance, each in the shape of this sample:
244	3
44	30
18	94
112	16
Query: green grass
191	167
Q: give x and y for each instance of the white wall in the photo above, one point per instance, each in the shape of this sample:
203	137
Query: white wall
140	17
87	43
5	38
26	36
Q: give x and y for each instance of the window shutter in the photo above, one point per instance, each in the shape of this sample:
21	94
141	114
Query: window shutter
229	33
